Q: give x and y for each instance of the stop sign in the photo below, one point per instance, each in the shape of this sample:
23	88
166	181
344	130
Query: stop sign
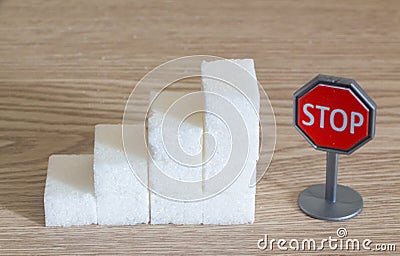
334	114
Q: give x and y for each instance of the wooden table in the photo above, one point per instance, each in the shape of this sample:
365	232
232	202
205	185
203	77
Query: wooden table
68	65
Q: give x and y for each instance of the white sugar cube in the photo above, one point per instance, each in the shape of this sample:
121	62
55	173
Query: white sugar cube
69	194
122	199
232	94
235	205
176	164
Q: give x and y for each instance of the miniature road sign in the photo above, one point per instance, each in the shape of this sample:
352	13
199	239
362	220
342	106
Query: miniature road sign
334	115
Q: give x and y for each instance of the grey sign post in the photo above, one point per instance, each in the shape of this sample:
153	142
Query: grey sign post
334	115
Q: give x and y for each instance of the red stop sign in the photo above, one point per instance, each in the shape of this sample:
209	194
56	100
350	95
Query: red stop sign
334	114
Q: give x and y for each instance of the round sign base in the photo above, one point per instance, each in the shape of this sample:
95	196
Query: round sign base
348	203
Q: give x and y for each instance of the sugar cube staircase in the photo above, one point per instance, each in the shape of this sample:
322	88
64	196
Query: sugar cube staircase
102	188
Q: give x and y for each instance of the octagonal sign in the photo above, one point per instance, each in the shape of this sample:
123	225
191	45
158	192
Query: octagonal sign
334	114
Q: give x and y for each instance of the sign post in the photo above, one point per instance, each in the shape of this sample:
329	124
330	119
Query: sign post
334	115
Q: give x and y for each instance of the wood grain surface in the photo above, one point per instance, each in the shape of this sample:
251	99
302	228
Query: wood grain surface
66	66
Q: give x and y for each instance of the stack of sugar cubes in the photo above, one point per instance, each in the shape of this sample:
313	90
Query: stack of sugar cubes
102	188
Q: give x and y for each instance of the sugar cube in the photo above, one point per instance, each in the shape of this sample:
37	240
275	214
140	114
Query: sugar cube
69	193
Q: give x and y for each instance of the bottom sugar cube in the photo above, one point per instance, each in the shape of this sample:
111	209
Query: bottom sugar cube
69	193
234	205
